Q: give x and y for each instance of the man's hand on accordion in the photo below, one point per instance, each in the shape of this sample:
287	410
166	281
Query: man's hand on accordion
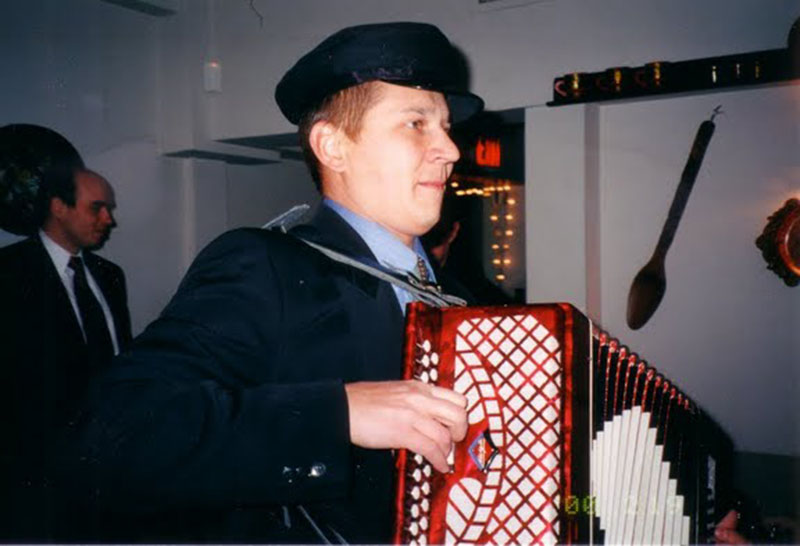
407	414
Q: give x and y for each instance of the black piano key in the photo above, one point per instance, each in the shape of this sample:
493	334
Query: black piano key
618	378
629	380
600	355
611	381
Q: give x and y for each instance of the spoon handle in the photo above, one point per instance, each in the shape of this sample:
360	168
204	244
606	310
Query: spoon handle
701	140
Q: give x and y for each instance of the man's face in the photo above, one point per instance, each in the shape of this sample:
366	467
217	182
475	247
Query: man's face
394	172
88	224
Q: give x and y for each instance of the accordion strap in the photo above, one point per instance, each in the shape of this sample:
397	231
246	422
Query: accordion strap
426	292
423	291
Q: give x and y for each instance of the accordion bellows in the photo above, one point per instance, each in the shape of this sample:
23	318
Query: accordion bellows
571	439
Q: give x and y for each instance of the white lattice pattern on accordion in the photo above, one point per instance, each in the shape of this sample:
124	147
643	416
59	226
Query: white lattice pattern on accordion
520	399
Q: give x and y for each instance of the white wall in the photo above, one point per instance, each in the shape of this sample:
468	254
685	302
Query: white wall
150	214
256	195
514	53
727	329
89	71
727	326
83	67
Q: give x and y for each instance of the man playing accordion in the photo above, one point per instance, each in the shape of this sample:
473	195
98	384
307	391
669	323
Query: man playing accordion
262	405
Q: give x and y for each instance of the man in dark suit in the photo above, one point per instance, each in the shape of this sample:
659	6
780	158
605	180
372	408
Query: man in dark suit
63	314
263	403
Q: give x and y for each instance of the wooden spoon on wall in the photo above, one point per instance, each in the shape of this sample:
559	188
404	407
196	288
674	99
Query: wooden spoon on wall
650	283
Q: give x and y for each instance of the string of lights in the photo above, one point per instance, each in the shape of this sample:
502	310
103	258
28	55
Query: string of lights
502	215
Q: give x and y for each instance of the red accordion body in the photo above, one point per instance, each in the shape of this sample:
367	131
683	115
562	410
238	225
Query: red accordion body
511	473
571	438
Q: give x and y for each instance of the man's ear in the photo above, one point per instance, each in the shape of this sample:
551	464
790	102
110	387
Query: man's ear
57	207
327	142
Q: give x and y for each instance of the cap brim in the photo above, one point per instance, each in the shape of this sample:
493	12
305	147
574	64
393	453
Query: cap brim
463	106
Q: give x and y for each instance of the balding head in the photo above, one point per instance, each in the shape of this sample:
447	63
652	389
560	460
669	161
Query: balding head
79	213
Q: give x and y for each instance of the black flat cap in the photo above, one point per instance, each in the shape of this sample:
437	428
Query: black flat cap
410	54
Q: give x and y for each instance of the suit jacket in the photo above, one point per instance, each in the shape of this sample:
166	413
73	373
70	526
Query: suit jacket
228	419
43	374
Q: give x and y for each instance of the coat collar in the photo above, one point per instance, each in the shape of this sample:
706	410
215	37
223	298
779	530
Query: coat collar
329	229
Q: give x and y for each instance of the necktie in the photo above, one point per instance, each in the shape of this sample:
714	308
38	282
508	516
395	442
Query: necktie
422	270
98	340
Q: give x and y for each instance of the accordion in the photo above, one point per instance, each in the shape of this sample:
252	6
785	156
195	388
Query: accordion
572	438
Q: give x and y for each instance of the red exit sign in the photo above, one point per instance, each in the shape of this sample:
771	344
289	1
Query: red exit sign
487	152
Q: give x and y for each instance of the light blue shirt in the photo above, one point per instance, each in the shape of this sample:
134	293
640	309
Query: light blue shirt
387	248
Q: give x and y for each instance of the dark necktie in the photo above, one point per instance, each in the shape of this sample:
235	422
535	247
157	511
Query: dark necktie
98	340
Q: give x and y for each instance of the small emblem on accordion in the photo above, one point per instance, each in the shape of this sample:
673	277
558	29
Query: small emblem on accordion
483	451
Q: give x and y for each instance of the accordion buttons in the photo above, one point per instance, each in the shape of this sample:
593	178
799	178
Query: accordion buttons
317	470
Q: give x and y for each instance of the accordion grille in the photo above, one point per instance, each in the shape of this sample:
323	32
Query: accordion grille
510	370
571	438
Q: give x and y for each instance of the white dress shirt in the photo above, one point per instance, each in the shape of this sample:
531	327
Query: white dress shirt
60	258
